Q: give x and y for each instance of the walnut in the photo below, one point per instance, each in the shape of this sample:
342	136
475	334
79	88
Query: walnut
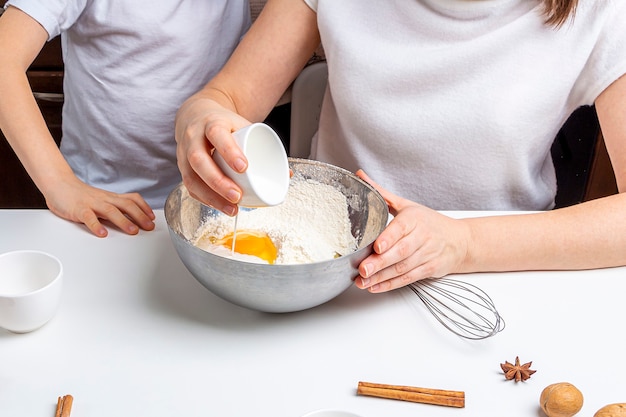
561	400
612	410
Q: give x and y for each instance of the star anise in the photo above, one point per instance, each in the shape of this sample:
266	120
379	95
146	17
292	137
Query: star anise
517	372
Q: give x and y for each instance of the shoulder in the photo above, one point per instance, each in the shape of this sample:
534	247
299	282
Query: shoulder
600	10
54	15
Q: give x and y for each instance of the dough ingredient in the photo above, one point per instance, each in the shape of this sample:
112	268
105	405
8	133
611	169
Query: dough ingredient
612	410
311	225
561	400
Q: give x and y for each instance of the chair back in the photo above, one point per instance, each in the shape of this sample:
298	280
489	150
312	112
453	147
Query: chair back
307	94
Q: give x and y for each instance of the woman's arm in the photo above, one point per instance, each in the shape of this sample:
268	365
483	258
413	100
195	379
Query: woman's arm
421	243
268	59
21	39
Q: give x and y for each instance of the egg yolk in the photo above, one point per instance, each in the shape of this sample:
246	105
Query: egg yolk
249	242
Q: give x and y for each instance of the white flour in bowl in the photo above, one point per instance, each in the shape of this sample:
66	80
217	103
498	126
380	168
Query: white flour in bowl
311	225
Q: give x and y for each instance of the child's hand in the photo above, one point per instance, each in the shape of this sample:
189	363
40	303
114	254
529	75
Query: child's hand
76	201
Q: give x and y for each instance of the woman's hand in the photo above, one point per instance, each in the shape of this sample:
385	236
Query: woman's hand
264	64
418	243
74	200
204	127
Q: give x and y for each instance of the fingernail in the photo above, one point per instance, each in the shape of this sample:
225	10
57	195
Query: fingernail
382	246
365	281
229	210
240	165
367	268
233	196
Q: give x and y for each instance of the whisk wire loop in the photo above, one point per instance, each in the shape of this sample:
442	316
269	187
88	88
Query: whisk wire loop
460	307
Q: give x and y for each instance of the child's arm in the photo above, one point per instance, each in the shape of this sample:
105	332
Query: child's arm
21	121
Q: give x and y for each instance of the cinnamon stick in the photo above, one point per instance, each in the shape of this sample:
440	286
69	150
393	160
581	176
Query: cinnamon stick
414	394
64	406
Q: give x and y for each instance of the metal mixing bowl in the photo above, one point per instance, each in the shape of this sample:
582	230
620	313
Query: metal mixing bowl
279	288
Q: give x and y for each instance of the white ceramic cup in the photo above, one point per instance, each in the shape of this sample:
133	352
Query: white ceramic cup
30	289
266	181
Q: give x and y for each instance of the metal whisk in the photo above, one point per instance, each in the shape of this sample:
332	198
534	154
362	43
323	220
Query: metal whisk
462	308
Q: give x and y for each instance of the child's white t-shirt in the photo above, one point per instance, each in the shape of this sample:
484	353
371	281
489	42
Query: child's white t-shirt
129	65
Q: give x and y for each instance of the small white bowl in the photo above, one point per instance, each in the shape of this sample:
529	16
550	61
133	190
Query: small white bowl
30	289
266	181
330	413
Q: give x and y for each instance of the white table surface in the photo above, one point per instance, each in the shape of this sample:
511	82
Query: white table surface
137	335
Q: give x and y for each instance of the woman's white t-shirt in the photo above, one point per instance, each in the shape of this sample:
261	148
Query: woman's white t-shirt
455	103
